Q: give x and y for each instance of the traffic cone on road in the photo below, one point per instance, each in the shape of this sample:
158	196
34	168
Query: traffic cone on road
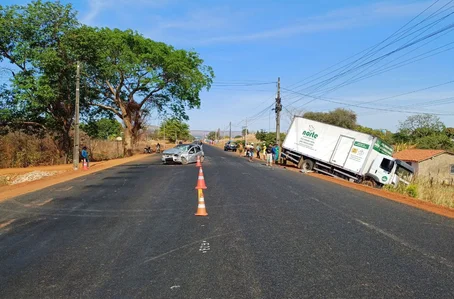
201	209
198	162
200	180
85	165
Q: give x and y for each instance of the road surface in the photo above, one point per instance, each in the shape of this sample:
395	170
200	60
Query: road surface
130	232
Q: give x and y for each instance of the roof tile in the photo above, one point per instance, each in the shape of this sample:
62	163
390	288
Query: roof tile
417	155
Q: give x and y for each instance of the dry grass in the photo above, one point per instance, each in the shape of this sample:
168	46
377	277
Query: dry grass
19	150
428	190
439	194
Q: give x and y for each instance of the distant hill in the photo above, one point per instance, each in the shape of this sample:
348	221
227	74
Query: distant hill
203	133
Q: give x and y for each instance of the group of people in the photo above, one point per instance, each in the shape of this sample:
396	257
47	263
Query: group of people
269	153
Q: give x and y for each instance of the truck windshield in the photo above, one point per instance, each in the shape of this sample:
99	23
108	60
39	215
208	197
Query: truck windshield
387	165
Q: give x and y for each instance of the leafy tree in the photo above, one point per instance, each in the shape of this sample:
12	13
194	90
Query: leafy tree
175	130
237	136
421	125
103	128
37	41
135	74
340	117
449	132
386	136
437	141
211	135
245	132
260	135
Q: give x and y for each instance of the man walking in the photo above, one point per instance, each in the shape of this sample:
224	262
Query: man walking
258	149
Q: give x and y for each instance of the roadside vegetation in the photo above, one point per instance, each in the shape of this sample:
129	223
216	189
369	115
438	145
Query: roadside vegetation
124	77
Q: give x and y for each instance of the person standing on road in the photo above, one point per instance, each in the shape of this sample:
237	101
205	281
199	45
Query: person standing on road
269	156
264	151
251	152
258	149
84	155
276	153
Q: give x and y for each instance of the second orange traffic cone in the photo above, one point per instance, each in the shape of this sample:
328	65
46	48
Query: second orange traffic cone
200	180
198	162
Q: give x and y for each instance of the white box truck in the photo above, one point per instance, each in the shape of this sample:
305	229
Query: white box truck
343	153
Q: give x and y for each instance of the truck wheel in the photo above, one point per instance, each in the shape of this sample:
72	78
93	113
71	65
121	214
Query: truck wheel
369	182
307	165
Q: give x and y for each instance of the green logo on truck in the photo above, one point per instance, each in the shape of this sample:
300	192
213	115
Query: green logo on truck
384	178
310	133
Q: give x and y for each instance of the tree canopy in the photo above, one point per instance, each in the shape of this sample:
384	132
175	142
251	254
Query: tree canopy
339	117
134	74
174	129
122	73
104	128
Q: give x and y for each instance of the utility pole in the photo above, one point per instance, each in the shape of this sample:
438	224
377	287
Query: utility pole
76	122
278	113
245	134
230	131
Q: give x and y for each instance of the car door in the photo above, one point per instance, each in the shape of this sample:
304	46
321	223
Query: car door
192	156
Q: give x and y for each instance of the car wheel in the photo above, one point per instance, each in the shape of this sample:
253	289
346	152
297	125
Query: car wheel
202	158
184	161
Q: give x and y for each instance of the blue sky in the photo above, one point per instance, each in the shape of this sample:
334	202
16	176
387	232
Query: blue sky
257	41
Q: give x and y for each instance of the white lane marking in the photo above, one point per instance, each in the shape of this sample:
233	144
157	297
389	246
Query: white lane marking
441	260
204	247
175	287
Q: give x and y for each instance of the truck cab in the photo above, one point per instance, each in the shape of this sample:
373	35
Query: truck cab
386	170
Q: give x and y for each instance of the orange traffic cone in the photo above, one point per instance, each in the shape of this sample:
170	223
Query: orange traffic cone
200	180
85	165
201	210
198	162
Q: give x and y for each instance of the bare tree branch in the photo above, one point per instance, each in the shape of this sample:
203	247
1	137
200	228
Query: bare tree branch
107	108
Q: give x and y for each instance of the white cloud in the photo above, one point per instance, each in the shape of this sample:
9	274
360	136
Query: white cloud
96	7
334	20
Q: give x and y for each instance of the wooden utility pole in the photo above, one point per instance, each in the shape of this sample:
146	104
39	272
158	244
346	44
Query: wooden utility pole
278	109
76	122
230	131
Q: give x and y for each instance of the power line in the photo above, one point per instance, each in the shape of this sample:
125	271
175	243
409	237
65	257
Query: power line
366	50
338	101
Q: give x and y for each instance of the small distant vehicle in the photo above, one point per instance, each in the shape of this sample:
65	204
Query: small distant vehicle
183	154
230	146
147	150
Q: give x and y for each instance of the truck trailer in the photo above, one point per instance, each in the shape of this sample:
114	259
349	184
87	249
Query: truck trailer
344	153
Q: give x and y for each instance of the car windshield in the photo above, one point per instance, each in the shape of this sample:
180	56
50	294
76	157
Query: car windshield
182	147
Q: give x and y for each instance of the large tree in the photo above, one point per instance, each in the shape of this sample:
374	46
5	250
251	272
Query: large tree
339	117
422	125
134	74
37	41
174	129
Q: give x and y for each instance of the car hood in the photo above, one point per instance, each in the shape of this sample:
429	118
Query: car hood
172	151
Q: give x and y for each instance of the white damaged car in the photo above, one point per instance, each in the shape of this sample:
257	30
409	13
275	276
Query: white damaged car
183	153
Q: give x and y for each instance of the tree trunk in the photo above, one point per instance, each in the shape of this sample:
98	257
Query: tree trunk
127	150
128	135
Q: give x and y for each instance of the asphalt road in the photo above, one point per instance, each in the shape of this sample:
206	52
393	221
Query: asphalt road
130	232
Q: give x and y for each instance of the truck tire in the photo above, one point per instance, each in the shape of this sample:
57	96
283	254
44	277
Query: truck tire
369	182
307	165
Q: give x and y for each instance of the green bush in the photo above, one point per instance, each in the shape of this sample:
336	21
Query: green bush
412	190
